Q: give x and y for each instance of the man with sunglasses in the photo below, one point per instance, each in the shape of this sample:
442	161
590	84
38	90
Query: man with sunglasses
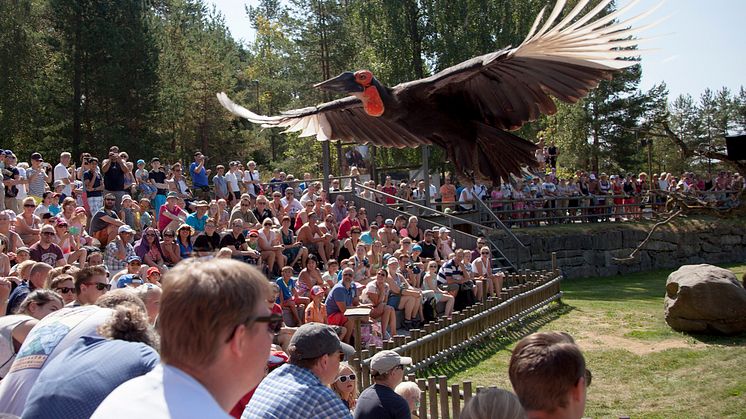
549	376
90	283
300	389
215	341
380	401
105	222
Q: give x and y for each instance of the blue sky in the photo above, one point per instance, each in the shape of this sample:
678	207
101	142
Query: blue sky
695	48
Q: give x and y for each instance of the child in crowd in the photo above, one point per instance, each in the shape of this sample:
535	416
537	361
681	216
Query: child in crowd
316	309
142	177
288	297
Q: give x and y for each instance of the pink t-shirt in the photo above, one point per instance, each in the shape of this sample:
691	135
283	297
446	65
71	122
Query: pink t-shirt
164	221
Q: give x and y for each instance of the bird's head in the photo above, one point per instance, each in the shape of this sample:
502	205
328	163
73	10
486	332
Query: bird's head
348	82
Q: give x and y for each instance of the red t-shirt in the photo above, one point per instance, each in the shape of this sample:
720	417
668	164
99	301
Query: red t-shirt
345	226
164	221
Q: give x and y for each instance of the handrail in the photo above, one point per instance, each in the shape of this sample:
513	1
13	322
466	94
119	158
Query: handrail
498	221
416	205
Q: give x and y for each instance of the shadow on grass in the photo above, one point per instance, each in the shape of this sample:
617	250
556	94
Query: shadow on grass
644	286
498	342
734	340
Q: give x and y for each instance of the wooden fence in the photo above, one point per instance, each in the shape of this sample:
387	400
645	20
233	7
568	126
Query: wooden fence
447	337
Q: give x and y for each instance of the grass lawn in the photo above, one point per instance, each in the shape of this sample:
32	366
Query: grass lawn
641	367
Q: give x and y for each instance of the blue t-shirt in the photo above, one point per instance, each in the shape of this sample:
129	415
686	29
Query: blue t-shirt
198	179
286	289
74	383
339	293
196	223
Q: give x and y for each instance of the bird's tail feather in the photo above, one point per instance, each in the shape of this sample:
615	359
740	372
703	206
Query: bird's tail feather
499	154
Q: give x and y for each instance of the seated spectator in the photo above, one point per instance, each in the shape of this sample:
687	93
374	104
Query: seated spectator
148	249
210	335
150	294
37	276
388	236
346	386
244	212
299	389
309	277
90	284
330	276
236	241
15	327
119	251
315	240
271	247
105	223
379	401
171	215
376	294
482	268
411	393
71	251
430	283
469	274
548	373
169	248
198	218
45	250
453	275
64	285
341	297
207	242
293	250
316	309
184	240
401	296
289	298
262	211
347	223
350	244
493	403
126	337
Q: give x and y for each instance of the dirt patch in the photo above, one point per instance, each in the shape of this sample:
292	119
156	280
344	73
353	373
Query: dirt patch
592	341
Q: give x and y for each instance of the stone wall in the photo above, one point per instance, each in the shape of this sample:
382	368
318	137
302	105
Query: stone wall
589	250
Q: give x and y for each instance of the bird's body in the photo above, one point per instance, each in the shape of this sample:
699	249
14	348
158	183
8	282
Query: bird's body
469	109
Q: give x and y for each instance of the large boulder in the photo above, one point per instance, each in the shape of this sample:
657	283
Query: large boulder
705	299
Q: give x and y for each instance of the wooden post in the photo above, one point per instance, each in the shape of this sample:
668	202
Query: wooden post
443	392
357	314
423	398
455	401
433	393
467	392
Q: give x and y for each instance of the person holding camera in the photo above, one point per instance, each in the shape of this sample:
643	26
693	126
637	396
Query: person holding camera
199	174
114	169
38	177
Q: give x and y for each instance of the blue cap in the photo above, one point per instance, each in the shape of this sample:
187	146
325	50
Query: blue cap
141	161
366	238
416	248
128	279
134	258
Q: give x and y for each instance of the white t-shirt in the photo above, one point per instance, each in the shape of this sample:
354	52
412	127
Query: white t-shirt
165	392
60	172
467	194
232	180
291	208
248	176
22	191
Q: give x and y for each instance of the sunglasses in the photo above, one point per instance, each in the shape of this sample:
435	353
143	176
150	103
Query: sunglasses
110	200
485	253
347	275
29	205
169	236
345	378
64	290
274	324
101	286
150	234
48	233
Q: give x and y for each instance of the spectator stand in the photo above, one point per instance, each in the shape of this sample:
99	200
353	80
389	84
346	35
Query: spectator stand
437	341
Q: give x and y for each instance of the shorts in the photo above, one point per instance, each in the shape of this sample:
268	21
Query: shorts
337	319
394	301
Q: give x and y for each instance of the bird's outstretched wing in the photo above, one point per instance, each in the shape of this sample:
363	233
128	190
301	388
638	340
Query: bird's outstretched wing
342	119
510	87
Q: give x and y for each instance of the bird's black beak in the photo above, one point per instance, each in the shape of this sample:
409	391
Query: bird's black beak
343	83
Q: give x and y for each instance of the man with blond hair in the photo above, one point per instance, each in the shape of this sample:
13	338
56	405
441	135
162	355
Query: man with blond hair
549	376
216	332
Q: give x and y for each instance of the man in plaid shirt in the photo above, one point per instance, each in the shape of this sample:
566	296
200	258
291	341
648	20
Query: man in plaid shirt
299	389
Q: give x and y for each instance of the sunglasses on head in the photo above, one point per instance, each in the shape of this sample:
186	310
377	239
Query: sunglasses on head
64	290
345	378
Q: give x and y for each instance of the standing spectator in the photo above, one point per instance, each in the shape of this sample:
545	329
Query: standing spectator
548	373
120	250
467	196
38	177
62	174
447	192
215	341
142	178
199	176
157	178
252	180
45	250
94	186
553	153
493	403
299	389
379	401
220	183
12	182
115	169
341	297
232	179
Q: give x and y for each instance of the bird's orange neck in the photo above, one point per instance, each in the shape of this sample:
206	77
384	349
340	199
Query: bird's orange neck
372	102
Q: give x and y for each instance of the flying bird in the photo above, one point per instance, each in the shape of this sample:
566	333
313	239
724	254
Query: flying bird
471	108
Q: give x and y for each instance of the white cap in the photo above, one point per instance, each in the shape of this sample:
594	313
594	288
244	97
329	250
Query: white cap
125	229
444	230
385	361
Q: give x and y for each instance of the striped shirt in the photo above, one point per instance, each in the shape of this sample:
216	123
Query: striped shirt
449	271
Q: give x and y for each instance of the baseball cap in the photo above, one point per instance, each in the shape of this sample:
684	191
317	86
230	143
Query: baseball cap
36	156
23	249
444	230
389	221
416	248
140	161
201	204
386	360
172	194
391	261
47	228
313	340
134	258
128	279
58	183
152	270
126	198
125	229
316	290
254	233
79	210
